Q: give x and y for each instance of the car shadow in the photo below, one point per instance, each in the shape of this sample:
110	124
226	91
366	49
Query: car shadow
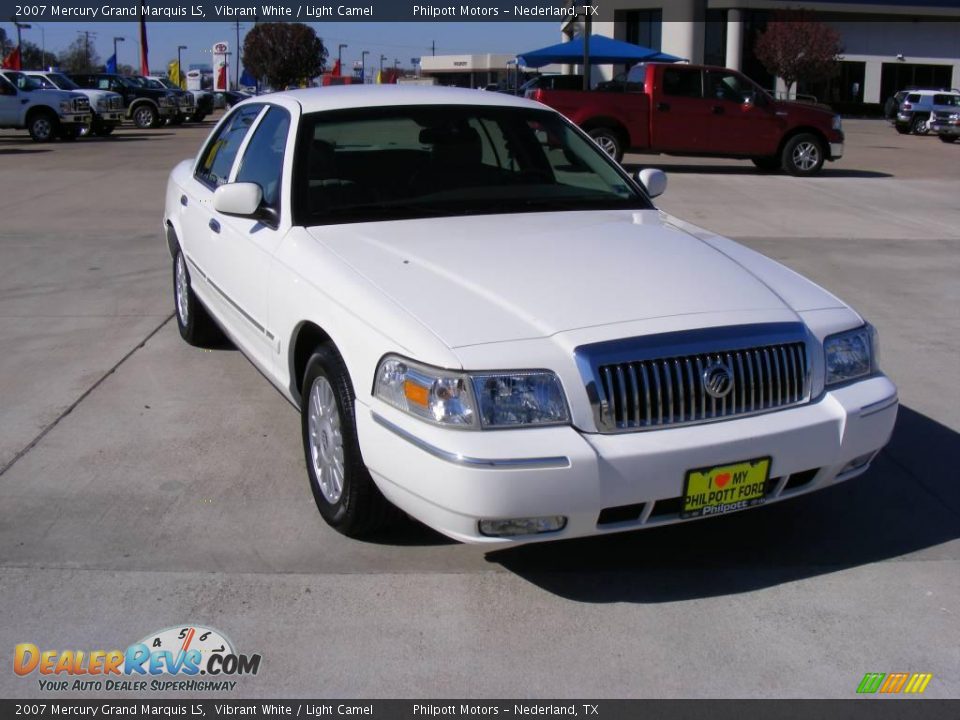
22	151
909	501
827	172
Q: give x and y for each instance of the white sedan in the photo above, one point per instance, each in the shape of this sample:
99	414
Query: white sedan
486	323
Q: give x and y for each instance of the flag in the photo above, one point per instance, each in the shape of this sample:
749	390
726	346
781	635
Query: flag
246	79
12	61
173	72
112	64
336	69
144	63
380	77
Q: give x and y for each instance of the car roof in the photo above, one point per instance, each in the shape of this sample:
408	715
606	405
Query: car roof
344	97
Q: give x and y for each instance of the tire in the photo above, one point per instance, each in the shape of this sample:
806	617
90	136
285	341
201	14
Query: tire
145	116
767	164
346	496
947	138
43	126
803	155
903	129
177	120
194	322
918	126
609	141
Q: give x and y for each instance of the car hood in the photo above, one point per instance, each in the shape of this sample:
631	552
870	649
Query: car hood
497	278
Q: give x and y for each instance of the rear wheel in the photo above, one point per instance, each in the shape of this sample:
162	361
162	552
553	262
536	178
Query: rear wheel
144	116
609	141
194	322
767	164
43	126
803	155
947	138
918	126
345	494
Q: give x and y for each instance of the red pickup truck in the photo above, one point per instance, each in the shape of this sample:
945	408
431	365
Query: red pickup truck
705	111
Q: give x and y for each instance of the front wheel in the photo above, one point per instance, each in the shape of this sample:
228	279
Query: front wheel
947	138
803	155
345	494
145	117
193	321
609	141
43	126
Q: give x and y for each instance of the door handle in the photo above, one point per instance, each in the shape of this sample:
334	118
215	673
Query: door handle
718	109
662	106
214	225
183	200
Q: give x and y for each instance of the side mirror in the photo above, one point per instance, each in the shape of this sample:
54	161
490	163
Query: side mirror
655	181
242	198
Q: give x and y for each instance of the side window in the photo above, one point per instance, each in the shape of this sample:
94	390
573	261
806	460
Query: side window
220	152
727	86
682	82
913	98
6	88
262	163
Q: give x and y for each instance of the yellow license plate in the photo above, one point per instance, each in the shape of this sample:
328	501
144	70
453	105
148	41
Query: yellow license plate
725	488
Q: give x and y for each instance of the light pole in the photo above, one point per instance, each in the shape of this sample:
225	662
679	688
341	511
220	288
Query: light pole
179	66
363	66
340	48
116	60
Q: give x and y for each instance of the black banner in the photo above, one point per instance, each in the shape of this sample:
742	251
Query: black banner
859	709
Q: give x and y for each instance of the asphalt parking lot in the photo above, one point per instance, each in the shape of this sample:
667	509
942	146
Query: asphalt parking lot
145	484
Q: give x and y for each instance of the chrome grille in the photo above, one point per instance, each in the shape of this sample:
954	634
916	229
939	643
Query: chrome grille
81	104
667	388
116	103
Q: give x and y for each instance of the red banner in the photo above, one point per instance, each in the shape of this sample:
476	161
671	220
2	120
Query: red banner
12	61
144	63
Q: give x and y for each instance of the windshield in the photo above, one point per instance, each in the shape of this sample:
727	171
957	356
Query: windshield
62	81
155	84
166	82
440	160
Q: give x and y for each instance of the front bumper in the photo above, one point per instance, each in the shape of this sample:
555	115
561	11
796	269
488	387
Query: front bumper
450	480
836	150
110	116
75	118
946	129
168	111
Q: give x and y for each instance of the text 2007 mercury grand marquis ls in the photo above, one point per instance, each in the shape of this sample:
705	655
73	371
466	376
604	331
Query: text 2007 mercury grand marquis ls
486	323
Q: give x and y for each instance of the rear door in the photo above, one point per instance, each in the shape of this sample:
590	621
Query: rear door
742	121
680	115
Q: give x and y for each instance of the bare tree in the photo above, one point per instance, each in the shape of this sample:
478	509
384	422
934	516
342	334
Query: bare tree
284	53
797	47
80	57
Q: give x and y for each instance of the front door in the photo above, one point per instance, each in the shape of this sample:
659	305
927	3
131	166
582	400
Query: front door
680	115
743	121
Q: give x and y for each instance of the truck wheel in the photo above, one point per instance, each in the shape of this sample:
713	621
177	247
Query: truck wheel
947	138
803	155
345	494
918	126
767	164
197	117
194	322
144	116
43	126
609	141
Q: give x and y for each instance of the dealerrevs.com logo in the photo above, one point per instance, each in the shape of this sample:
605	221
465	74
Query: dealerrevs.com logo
184	658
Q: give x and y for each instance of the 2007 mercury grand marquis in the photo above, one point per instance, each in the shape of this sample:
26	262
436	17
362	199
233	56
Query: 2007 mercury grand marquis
486	323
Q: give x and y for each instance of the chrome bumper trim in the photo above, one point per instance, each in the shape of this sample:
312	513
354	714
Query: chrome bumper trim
836	151
472	462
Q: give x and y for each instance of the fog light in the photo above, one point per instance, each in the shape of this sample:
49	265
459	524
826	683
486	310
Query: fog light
858	462
522	526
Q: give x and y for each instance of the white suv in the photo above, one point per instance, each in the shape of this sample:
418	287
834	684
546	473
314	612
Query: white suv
920	106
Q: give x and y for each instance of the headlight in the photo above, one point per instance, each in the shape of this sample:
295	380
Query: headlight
66	106
850	355
483	400
166	101
837	124
103	103
955	116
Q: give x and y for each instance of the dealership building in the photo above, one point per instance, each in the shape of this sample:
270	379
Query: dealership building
886	45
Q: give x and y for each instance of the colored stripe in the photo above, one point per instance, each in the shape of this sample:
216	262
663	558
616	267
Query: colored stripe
886	685
927	677
870	683
900	681
912	684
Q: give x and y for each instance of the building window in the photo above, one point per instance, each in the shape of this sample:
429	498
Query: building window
644	27
715	38
905	76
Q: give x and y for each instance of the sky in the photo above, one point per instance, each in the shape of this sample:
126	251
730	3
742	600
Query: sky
397	40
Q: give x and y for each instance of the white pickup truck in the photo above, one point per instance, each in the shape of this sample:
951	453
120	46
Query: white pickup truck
46	114
105	106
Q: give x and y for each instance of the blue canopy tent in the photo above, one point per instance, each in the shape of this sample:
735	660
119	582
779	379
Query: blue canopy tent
602	51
